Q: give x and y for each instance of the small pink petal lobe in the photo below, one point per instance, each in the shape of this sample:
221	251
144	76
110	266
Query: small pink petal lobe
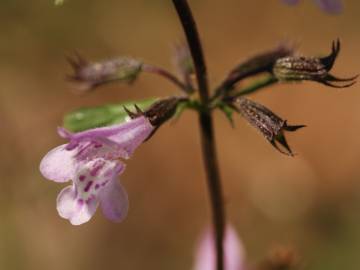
234	254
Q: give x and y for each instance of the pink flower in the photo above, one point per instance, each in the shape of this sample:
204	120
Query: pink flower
91	160
234	254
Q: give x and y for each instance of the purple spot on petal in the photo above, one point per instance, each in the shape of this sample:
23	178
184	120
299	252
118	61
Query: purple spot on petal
95	170
80	201
104	183
83	151
82	178
71	145
89	200
88	186
98	145
97	186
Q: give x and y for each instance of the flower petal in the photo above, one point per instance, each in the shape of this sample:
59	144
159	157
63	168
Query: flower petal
58	165
75	210
233	251
330	6
93	176
122	128
114	201
99	147
127	136
130	138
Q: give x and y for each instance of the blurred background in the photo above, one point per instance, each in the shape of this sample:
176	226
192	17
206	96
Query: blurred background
309	203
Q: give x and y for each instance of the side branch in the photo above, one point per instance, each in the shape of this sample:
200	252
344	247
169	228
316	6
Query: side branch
269	80
167	75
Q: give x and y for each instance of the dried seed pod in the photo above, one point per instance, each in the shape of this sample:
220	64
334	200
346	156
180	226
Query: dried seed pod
91	75
313	69
259	63
270	125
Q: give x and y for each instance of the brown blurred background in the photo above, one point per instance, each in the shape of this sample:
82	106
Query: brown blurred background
310	203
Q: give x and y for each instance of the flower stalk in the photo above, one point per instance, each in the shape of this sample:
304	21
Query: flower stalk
206	128
167	75
269	80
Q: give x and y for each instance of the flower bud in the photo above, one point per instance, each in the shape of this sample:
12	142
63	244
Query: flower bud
293	68
259	63
270	125
183	60
91	75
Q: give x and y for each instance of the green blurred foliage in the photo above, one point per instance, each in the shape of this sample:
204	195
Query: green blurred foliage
100	116
59	2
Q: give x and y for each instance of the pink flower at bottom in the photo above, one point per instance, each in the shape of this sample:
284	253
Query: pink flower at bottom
91	160
234	253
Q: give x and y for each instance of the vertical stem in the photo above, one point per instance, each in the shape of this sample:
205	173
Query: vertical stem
214	184
192	36
206	127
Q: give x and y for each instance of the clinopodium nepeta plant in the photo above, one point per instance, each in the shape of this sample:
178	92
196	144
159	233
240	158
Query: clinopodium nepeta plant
100	138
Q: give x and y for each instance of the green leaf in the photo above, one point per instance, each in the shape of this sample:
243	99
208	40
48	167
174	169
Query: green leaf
87	118
228	111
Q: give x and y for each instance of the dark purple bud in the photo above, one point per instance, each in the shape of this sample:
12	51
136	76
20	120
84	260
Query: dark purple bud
160	111
90	75
184	65
260	63
270	125
294	68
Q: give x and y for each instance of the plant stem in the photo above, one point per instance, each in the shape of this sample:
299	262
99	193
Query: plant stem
206	127
192	36
214	184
